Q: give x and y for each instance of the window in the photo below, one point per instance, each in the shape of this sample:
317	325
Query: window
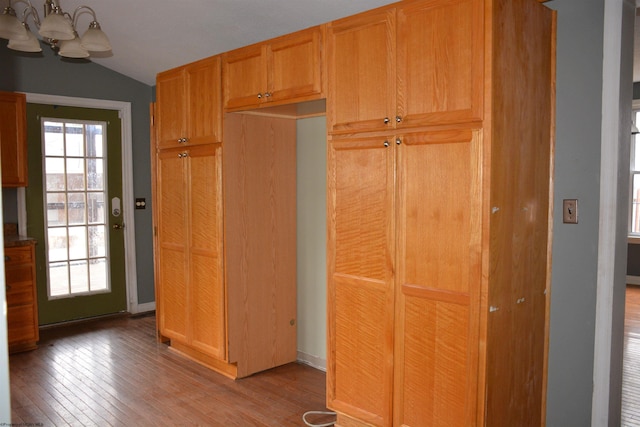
75	194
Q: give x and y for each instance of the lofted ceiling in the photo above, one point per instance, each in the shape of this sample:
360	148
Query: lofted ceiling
149	36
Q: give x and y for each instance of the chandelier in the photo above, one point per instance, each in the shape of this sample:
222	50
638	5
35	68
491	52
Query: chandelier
58	29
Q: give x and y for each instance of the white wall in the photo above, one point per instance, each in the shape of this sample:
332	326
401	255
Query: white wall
312	237
5	400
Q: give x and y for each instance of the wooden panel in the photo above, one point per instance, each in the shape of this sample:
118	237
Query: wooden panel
434	365
295	66
440	61
521	173
171	107
13	137
207	298
21	298
361	72
439	266
360	256
244	73
204	119
172	243
260	239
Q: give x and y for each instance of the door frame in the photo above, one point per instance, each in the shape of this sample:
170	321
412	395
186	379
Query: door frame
124	112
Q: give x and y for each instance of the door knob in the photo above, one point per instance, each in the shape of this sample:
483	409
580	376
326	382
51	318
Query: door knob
118	226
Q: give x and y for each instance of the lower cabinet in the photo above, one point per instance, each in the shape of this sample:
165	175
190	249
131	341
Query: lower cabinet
22	306
226	247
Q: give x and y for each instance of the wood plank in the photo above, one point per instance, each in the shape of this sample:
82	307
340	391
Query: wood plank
114	372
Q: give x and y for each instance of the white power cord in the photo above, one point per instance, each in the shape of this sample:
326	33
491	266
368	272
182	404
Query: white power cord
304	418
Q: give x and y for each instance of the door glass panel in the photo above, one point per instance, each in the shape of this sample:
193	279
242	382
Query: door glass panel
75	195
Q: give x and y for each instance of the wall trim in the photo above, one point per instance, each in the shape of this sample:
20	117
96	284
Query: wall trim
124	112
313	361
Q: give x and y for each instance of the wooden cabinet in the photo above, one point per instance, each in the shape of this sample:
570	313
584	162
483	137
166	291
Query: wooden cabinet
189	242
22	305
226	269
13	139
414	64
188	104
283	70
439	225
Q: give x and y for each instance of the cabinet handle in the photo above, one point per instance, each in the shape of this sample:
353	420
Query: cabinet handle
398	119
398	141
182	155
259	96
267	94
7	288
7	258
180	140
386	143
386	120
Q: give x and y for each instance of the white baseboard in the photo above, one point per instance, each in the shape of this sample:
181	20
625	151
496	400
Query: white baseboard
633	280
313	361
143	308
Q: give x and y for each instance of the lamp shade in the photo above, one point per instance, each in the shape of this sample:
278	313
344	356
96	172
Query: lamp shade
95	40
30	45
11	27
72	49
56	26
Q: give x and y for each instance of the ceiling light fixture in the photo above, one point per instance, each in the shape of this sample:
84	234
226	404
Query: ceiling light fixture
58	29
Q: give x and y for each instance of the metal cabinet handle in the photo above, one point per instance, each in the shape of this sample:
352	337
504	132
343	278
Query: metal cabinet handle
259	96
267	94
118	226
398	119
398	141
386	120
386	143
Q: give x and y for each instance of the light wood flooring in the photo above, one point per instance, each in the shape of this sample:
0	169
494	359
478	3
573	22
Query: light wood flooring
631	361
113	372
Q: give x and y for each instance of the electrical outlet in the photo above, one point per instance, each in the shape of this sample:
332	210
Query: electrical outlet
570	211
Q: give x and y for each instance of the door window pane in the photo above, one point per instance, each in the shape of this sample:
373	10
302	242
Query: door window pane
75	195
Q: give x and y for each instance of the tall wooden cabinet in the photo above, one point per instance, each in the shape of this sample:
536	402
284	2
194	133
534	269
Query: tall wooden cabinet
13	137
225	246
439	213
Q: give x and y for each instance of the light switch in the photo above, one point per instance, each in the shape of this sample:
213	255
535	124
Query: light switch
570	211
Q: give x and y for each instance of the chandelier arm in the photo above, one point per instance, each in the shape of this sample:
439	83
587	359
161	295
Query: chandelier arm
78	12
30	10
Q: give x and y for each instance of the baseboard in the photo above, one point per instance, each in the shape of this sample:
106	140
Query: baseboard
633	280
313	361
143	308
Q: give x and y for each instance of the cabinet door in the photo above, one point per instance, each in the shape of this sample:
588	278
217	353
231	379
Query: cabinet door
22	310
204	108
361	72
440	61
245	77
438	279
172	243
206	299
295	66
360	264
171	107
13	139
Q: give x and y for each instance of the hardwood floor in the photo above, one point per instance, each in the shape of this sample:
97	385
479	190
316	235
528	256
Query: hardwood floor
113	372
631	361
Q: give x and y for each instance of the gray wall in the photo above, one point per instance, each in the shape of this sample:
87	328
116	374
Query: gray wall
48	74
579	106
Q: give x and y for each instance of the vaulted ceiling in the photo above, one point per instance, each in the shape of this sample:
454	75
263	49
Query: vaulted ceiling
149	36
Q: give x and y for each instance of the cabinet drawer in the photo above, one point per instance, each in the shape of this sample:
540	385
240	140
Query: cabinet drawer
19	293
19	255
21	324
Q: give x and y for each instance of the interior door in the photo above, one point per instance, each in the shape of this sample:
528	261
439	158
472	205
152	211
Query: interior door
75	210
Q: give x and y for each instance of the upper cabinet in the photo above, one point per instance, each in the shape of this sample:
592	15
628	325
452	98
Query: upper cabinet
13	139
188	100
417	64
287	69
